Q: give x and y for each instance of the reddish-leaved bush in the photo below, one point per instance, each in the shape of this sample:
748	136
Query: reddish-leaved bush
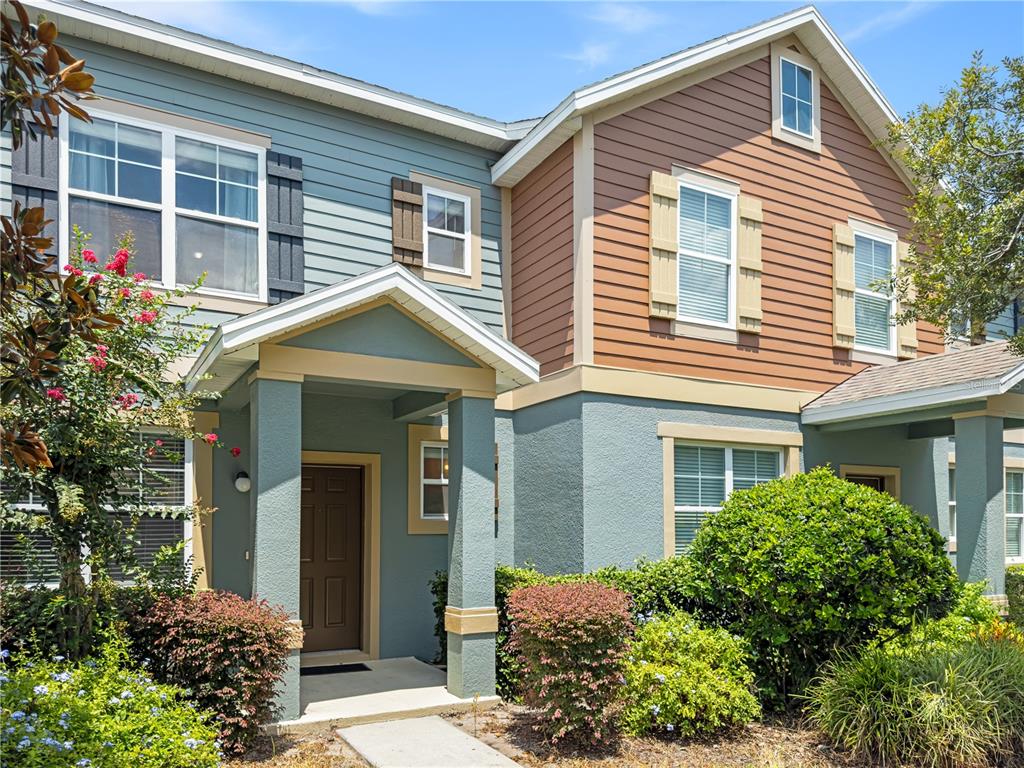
570	639
227	651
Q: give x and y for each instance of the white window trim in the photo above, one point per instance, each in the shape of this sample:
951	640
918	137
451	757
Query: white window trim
951	512
465	236
732	197
890	238
168	205
782	95
1007	515
442	481
729	448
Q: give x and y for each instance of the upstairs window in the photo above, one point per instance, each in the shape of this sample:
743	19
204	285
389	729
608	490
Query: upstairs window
797	98
873	260
194	204
446	236
707	253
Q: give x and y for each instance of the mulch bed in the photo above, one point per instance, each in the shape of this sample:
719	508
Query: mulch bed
509	729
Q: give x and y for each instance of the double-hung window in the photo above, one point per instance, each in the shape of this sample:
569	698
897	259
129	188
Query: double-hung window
193	203
446	231
707	256
705	475
1014	494
951	500
434	476
873	310
797	97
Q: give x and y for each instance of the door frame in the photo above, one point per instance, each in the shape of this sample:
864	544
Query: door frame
369	645
890	475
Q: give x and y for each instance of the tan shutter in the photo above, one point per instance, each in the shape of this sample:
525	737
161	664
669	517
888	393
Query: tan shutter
407	221
906	333
843	325
748	298
664	245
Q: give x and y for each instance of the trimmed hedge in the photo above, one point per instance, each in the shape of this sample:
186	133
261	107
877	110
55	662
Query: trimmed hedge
1015	594
570	640
807	565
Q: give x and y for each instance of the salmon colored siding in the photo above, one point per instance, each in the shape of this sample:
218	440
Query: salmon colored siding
723	125
542	243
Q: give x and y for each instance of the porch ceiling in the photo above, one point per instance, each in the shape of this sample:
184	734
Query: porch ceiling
234	346
987	376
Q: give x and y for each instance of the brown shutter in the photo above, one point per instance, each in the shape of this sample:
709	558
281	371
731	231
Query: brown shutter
906	333
407	221
748	300
843	322
664	290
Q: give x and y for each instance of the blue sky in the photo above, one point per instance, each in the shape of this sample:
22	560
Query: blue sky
516	60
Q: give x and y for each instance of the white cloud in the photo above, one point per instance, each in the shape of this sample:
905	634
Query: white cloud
591	55
625	17
888	21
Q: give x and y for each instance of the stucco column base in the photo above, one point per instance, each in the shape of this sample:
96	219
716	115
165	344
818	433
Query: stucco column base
980	521
471	611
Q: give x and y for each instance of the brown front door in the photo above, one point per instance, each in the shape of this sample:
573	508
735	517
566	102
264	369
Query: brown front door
331	570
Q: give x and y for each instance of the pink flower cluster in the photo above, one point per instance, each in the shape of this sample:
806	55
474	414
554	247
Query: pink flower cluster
236	452
138	277
98	361
127	400
73	270
56	393
210	438
89	256
119	263
94	279
145	317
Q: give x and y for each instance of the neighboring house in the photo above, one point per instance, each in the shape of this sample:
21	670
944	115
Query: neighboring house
663	290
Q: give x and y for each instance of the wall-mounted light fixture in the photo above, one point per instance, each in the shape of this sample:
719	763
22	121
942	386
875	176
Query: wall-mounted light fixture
242	482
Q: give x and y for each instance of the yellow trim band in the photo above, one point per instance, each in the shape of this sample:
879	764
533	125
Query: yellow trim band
202	496
470	621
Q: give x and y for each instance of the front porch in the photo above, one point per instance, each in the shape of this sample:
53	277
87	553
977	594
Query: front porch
367	414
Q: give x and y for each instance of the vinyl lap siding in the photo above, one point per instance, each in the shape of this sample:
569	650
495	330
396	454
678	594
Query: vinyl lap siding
348	162
723	125
542	243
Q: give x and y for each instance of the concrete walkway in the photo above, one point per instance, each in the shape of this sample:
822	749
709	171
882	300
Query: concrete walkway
423	742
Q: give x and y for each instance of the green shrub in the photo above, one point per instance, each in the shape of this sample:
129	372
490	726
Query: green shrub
229	652
570	639
972	613
1015	594
655	586
687	680
955	705
101	713
805	565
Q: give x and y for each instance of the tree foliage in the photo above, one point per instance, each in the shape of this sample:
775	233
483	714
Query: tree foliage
966	155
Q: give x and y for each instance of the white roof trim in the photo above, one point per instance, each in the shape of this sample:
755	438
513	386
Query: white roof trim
529	152
932	397
513	366
161	41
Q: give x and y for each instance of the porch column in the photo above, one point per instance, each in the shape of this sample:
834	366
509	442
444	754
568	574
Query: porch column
275	413
980	517
471	619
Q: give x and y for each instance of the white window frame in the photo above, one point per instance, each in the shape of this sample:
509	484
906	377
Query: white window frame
951	510
168	206
465	236
889	238
782	95
442	481
729	448
1006	512
732	197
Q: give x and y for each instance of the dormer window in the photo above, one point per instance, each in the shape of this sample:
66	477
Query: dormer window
797	97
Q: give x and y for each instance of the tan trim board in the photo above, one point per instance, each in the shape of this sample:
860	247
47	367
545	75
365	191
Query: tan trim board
212	303
418	434
583	242
271	375
668	471
713	434
1009	462
891	475
470	621
1014	436
377	370
371	464
175	120
475	277
202	497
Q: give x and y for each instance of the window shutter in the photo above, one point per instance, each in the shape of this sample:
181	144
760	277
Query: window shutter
407	221
664	245
843	325
748	299
286	257
35	179
906	333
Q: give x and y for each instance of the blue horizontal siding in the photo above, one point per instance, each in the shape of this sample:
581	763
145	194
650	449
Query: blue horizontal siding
348	161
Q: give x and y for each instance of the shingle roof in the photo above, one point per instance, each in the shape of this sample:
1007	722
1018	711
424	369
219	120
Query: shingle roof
975	372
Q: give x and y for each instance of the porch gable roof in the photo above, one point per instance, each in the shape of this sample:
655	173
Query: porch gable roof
950	378
234	345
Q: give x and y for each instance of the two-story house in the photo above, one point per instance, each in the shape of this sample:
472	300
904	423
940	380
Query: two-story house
446	342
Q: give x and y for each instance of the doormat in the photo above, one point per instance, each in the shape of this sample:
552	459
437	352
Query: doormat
333	669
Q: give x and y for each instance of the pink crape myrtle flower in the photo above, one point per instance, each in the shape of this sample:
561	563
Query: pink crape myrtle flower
89	256
236	452
147	295
138	277
97	362
145	317
127	400
126	293
94	279
210	438
119	263
73	270
56	393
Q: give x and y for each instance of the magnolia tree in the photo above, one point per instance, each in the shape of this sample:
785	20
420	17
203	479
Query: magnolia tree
107	393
